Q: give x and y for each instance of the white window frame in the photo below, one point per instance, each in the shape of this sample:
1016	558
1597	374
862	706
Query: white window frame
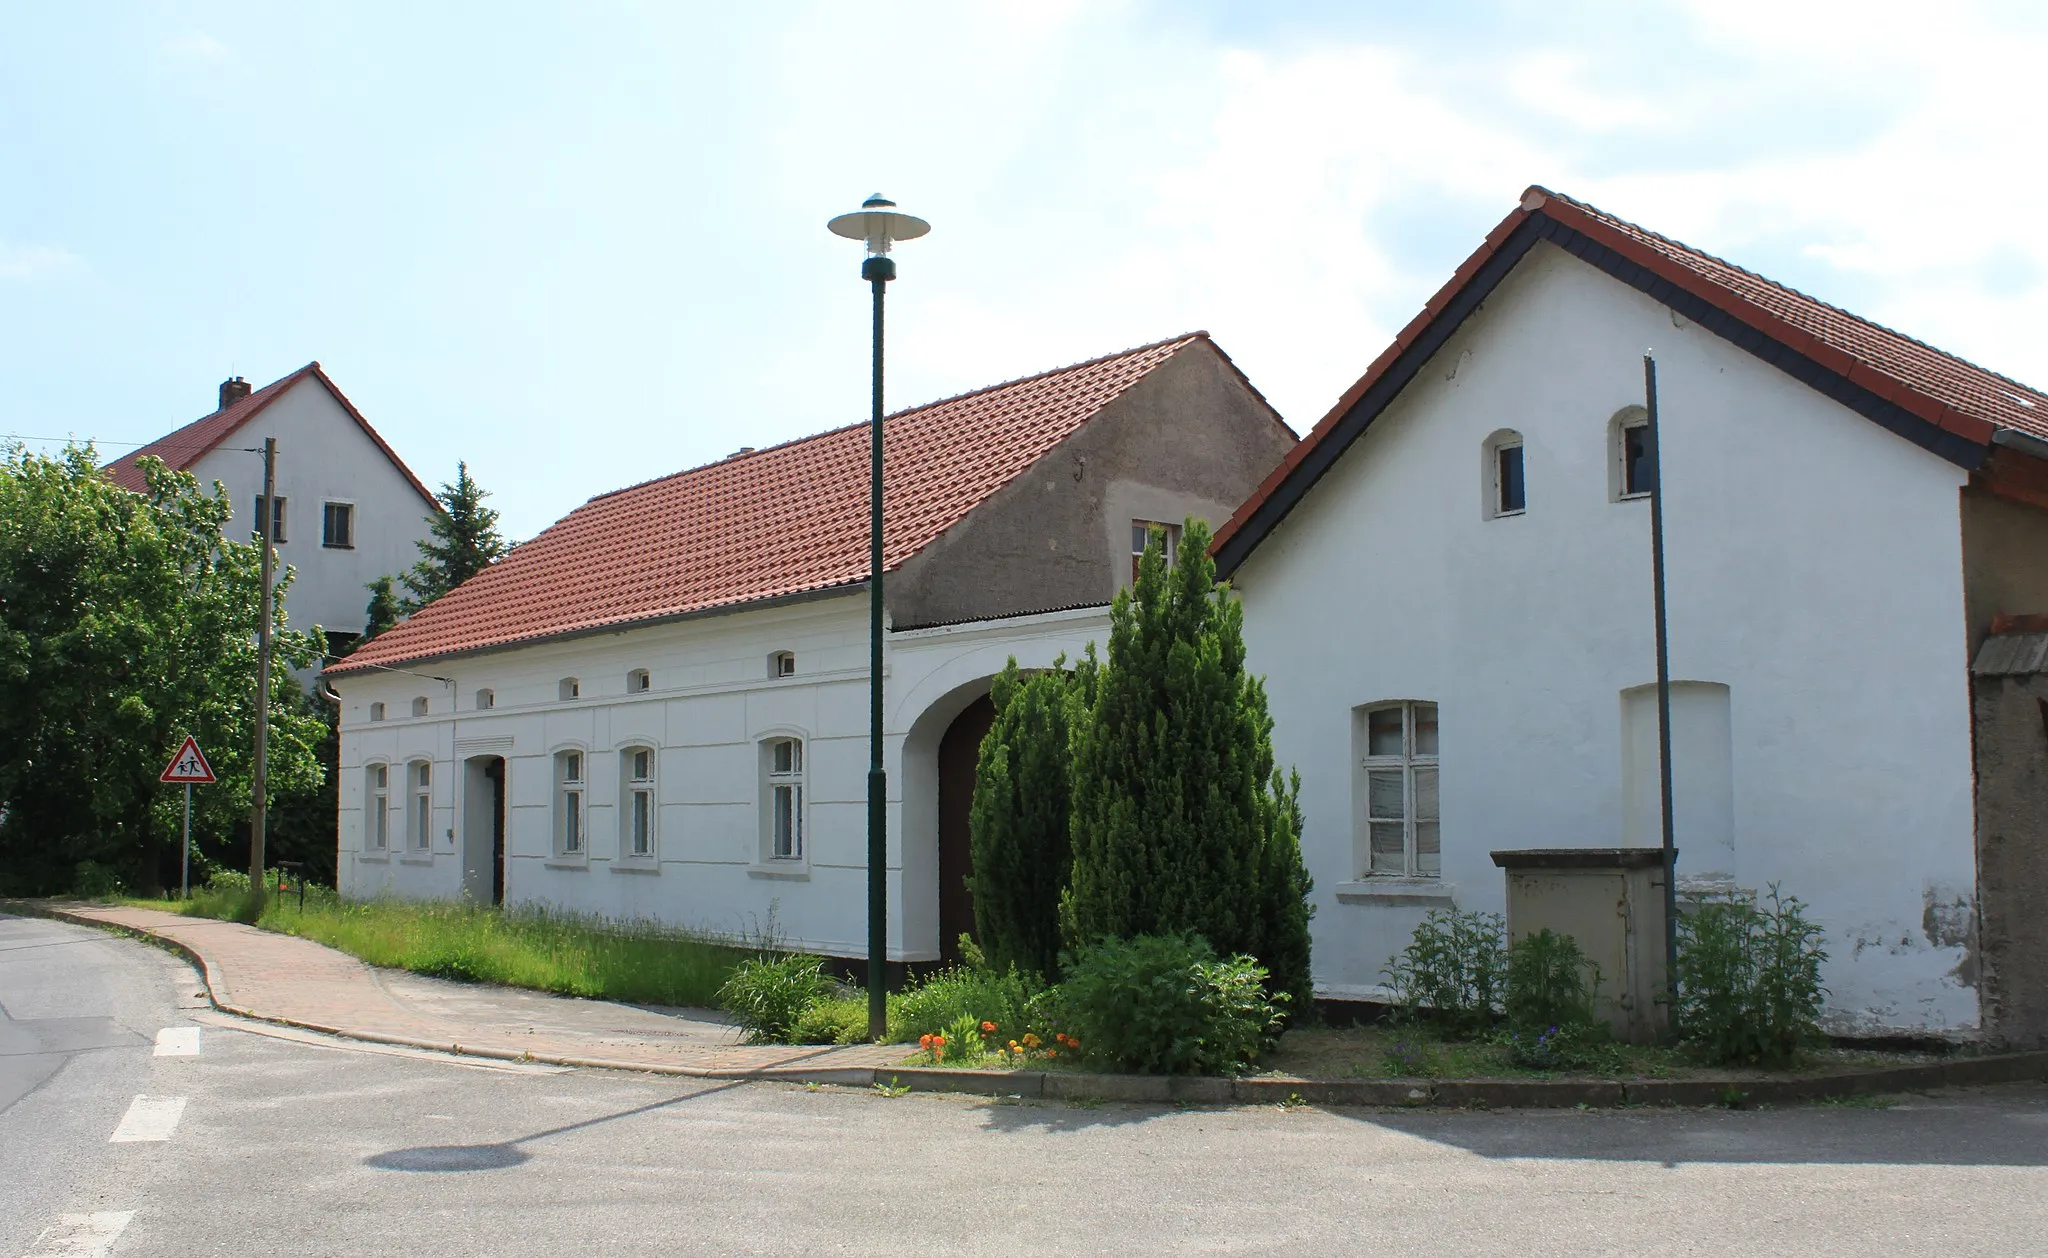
1410	764
572	804
377	809
781	664
486	699
1139	540
326	534
639	796
1495	486
1628	419
419	805
784	841
639	681
569	688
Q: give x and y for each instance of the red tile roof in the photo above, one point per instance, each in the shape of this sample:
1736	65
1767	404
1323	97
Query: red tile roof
782	521
185	447
1943	391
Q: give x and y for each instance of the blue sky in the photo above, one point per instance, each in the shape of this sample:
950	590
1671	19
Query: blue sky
583	245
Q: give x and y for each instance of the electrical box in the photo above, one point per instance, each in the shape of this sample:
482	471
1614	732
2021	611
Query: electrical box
1611	901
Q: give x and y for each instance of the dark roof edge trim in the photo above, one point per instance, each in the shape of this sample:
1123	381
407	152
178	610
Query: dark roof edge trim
343	669
1961	451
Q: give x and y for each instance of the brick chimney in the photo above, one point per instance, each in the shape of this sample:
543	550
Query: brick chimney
233	391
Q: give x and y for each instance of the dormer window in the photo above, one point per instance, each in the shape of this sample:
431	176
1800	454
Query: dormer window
569	688
782	664
639	681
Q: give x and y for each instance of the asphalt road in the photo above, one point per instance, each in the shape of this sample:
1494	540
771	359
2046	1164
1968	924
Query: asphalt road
263	1145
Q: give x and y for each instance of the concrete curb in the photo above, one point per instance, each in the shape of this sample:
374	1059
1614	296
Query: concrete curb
1729	1092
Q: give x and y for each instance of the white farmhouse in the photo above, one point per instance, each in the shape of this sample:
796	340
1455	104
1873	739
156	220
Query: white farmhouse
658	707
349	510
1451	576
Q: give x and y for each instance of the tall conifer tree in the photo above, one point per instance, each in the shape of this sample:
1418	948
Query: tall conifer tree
464	541
1180	821
1019	822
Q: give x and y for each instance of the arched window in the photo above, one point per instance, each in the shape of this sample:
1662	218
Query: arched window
377	808
377	711
571	818
1394	751
1503	483
485	700
637	803
569	688
419	816
782	799
638	681
419	706
1631	467
781	664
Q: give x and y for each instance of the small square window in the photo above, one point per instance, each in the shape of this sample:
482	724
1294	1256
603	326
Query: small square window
782	664
377	711
419	706
1141	536
569	688
638	681
338	525
486	700
262	518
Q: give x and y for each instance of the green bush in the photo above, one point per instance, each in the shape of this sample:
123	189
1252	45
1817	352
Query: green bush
1455	966
1749	990
1566	1046
837	1018
1166	1004
767	995
947	996
1020	819
1550	983
91	880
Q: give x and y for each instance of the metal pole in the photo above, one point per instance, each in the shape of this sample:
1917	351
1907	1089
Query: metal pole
1656	453
185	862
878	271
259	782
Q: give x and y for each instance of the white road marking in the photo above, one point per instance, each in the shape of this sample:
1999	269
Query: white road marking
82	1235
314	1039
178	1041
149	1118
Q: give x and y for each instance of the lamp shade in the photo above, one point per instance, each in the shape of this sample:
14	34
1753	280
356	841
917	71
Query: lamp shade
880	224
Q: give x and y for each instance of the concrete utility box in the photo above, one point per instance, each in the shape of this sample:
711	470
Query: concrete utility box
1611	900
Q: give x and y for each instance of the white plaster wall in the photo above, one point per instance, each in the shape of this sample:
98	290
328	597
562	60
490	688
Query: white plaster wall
322	456
710	704
1814	568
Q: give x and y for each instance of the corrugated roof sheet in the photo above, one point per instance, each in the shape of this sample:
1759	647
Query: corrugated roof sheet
772	523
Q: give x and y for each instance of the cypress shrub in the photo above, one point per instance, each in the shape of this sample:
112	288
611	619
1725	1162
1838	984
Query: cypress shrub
1180	820
1019	821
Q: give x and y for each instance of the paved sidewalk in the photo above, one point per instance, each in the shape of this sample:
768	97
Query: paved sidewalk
282	978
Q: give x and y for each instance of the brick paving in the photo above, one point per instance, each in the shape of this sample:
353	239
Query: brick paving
282	978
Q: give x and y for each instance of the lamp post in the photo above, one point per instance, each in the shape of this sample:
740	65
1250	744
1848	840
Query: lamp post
879	224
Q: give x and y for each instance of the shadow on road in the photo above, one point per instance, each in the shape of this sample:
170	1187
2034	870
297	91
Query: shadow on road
508	1153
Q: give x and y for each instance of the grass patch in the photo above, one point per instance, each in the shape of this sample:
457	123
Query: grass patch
550	951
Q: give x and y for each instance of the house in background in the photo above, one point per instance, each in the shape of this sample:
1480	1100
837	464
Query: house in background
658	707
1447	588
349	510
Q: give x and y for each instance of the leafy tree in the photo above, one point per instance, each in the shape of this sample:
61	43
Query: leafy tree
126	622
1181	821
1019	822
465	541
383	610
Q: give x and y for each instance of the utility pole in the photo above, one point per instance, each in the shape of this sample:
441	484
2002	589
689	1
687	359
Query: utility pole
1656	443
259	783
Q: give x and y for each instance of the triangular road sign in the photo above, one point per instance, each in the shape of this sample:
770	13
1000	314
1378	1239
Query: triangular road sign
189	765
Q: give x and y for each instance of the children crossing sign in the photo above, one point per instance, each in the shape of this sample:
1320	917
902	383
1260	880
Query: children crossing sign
189	765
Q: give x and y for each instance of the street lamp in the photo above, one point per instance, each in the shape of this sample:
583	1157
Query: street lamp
878	223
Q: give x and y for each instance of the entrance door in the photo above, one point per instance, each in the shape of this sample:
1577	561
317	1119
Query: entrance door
483	829
958	752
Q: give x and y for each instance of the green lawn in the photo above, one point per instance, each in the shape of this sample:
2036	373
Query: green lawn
639	962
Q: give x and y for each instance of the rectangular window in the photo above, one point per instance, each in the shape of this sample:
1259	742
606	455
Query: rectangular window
338	525
422	805
1507	478
571	802
1399	778
1638	468
262	519
786	799
639	813
377	809
1141	535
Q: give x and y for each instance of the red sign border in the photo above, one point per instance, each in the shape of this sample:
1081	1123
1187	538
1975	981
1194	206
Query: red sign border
193	744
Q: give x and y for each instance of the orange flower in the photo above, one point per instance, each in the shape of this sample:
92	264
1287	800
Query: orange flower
939	1040
988	1028
1073	1041
924	1041
1052	1052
